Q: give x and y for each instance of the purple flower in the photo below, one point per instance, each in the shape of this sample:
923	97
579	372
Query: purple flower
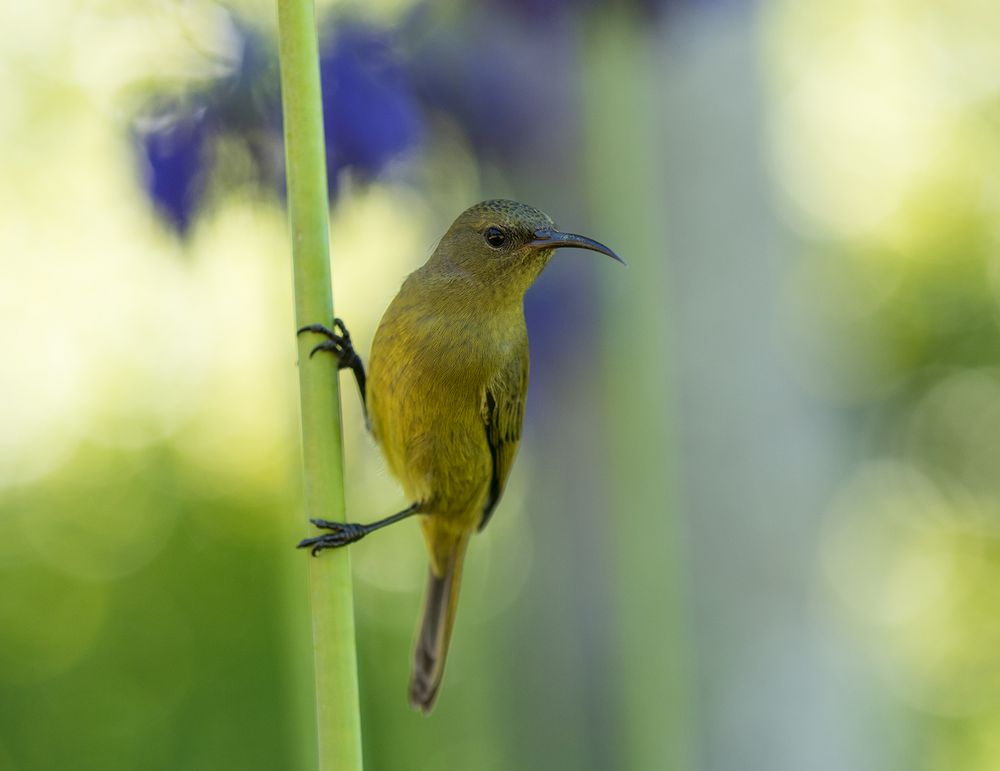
175	141
370	113
173	147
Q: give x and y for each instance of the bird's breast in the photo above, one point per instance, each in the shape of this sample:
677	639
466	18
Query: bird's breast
428	372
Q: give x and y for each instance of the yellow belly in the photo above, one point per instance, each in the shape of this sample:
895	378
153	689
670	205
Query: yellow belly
425	405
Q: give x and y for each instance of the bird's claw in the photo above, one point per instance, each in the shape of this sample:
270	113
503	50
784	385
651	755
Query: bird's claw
320	329
338	344
343	353
341	534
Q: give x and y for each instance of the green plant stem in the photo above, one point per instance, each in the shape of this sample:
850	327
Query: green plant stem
624	161
331	596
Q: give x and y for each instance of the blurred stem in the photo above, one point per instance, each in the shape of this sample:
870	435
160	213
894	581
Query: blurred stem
335	657
625	171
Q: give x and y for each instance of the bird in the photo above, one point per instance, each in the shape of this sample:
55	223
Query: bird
444	397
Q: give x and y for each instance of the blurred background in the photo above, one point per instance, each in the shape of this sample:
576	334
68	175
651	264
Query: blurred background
754	523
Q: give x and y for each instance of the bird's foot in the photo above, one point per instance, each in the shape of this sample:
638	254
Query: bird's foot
337	342
341	534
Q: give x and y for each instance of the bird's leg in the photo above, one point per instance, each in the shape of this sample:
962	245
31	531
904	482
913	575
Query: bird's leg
343	533
341	347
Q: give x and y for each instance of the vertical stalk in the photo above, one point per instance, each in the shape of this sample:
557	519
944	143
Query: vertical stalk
335	657
625	165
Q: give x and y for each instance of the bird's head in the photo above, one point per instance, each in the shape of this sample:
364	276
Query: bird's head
506	244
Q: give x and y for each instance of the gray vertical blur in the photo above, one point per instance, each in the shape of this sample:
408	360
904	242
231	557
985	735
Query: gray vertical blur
757	457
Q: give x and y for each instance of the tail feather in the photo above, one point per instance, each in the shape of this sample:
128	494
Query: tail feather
434	634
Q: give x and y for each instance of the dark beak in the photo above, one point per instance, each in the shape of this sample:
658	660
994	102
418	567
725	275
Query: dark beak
547	238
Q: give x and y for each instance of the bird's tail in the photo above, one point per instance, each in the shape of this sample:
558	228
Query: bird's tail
434	634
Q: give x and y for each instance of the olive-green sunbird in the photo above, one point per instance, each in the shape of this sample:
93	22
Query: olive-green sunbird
444	396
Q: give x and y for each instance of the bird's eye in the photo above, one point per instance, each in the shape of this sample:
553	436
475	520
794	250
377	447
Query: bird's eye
495	237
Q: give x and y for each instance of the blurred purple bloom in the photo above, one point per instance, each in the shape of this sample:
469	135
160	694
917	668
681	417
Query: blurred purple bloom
173	147
371	117
370	113
476	82
176	141
511	89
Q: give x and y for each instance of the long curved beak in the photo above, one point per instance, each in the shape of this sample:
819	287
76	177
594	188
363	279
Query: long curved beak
548	238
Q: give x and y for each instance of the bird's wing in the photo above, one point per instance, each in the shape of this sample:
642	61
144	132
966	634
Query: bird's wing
503	413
